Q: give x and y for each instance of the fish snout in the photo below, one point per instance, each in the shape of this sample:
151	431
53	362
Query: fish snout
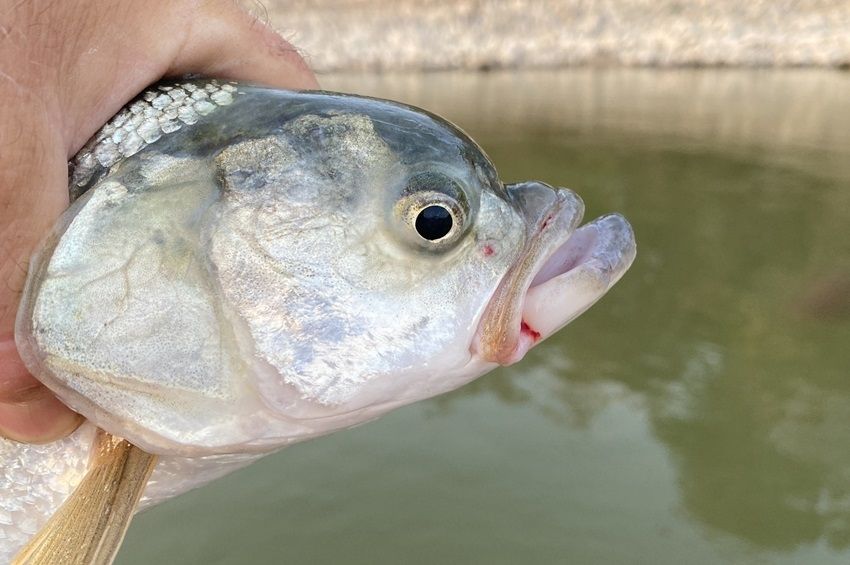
546	208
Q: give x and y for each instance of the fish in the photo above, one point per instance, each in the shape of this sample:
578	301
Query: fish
244	268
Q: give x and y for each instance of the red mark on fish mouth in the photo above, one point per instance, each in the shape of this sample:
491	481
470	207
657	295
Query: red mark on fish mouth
529	332
487	250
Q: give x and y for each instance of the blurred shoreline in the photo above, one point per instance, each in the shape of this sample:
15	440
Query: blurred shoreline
415	35
742	108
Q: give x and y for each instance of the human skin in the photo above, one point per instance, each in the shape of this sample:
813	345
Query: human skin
65	69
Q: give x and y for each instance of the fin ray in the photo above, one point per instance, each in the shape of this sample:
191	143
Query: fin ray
90	526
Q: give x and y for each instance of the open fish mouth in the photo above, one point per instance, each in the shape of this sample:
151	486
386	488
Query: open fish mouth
562	270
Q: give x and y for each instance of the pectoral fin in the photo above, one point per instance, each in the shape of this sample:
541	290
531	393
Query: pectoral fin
89	527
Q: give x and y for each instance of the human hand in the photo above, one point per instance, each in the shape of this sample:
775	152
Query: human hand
65	69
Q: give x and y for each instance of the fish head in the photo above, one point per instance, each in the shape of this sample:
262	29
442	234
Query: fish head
304	263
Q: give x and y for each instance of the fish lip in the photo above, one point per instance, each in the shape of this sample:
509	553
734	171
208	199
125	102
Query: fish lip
560	272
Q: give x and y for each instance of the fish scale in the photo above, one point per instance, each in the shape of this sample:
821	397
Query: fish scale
157	112
34	481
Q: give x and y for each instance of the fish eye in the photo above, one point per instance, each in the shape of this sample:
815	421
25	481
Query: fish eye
433	211
434	222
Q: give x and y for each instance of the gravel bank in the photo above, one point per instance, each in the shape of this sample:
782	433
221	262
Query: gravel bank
348	35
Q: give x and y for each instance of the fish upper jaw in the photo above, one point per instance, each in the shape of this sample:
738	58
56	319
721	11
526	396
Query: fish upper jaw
561	271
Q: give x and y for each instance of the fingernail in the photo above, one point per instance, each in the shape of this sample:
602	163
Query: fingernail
41	420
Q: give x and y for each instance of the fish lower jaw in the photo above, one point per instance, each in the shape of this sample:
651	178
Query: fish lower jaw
571	280
527	338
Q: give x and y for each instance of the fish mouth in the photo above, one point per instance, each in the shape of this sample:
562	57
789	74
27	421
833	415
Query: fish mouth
561	271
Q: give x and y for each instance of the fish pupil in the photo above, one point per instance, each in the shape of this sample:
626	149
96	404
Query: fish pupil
433	222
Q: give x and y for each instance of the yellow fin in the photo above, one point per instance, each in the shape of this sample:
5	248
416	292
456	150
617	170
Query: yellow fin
89	527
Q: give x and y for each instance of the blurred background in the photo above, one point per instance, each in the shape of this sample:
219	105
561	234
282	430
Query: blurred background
700	413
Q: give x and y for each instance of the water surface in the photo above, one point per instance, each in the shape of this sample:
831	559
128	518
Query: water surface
698	414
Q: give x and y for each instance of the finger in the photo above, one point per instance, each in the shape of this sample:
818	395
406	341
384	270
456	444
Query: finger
216	38
30	161
234	44
29	411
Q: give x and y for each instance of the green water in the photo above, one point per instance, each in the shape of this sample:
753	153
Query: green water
698	414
